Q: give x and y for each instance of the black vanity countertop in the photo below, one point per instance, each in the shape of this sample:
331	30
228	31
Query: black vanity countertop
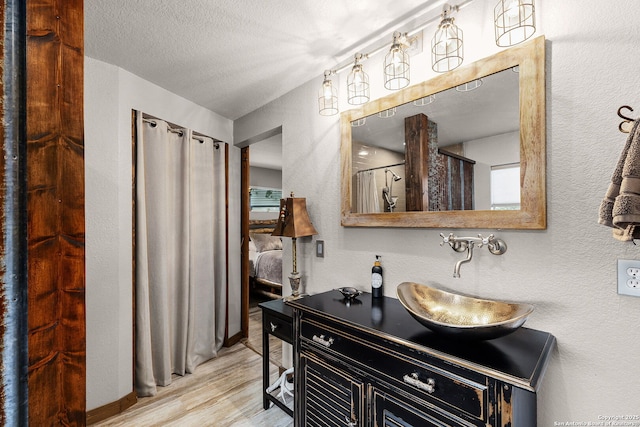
519	358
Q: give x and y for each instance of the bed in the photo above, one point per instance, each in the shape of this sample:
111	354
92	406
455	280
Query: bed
265	260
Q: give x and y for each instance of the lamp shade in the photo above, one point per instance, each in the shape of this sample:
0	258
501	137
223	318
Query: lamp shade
293	220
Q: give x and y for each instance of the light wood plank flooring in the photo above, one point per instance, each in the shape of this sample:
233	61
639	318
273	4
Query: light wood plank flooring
225	391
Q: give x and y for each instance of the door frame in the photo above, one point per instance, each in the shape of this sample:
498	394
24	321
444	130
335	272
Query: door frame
244	245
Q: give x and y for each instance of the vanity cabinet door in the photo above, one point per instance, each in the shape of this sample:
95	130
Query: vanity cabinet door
331	396
394	409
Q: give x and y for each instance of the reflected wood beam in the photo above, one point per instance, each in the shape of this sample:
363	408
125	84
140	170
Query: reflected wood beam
418	158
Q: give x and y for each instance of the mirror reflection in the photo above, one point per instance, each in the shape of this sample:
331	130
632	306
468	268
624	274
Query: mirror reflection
458	149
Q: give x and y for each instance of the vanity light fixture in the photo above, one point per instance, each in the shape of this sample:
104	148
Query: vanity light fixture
357	83
328	97
396	63
447	54
446	46
359	122
424	101
515	21
385	114
469	86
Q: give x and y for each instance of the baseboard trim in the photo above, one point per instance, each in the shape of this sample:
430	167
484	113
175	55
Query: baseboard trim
111	409
233	340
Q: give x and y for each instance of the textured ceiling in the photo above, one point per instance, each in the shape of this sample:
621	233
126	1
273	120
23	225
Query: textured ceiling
233	56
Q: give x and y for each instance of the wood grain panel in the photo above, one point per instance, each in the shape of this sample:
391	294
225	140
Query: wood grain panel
417	162
55	212
467	168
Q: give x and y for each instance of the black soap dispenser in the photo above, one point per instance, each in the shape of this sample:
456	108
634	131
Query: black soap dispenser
376	279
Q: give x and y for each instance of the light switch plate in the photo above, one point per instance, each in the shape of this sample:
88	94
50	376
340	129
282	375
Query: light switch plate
629	277
320	248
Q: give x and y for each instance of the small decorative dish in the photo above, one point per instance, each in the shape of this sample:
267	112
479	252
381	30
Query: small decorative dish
349	292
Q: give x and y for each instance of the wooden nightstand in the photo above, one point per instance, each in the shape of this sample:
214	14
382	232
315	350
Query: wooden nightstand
277	320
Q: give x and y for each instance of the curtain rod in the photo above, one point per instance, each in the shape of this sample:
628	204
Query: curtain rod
381	167
181	132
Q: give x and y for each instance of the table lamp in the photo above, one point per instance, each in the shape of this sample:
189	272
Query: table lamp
294	222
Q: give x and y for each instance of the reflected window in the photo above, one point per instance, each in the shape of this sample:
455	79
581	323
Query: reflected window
264	199
505	187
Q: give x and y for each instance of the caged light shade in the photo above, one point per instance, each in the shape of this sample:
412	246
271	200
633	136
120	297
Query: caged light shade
396	64
327	97
357	84
446	46
515	21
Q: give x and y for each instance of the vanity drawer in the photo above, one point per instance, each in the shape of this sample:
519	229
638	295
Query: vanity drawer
468	398
278	326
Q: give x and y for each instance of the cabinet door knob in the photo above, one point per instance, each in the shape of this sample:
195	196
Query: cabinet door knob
412	379
351	422
321	340
273	326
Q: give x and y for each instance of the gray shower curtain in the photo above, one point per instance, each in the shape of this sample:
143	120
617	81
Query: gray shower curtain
180	253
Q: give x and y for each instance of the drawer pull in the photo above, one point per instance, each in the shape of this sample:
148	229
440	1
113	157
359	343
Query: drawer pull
429	386
273	326
350	422
325	342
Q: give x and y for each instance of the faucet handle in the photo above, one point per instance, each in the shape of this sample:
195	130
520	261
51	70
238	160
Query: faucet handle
485	240
457	244
446	239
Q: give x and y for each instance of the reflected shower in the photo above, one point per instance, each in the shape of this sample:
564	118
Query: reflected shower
387	191
395	175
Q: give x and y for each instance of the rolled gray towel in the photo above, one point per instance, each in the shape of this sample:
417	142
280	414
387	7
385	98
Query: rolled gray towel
620	207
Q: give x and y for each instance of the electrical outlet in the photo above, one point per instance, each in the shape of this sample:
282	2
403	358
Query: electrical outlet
629	277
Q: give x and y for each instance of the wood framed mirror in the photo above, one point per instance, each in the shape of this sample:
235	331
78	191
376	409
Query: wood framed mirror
429	153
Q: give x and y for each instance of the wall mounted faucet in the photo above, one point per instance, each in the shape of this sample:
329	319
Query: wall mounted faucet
461	244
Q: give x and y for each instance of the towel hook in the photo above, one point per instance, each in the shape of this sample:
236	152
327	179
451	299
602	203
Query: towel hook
625	118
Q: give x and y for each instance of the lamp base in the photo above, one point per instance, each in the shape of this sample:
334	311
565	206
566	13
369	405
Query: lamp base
294	281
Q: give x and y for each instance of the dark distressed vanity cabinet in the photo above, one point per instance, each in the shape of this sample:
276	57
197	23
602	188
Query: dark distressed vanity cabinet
369	363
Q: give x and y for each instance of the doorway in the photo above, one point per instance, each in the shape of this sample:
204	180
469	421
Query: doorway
261	169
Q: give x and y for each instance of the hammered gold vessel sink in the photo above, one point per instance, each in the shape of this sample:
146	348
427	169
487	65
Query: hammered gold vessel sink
461	316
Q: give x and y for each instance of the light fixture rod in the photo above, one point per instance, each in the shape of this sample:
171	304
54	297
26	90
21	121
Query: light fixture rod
409	34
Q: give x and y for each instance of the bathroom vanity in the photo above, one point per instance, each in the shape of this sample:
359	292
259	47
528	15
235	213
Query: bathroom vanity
367	362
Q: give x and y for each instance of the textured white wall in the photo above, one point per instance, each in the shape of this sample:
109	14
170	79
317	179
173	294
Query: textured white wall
567	271
110	95
108	339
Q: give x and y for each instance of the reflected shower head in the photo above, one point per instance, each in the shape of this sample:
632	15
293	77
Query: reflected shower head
396	177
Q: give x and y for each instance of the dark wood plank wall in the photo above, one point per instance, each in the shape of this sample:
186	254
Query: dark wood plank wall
456	182
468	197
55	212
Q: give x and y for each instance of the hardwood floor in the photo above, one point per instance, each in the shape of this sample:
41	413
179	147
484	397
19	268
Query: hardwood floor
225	391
